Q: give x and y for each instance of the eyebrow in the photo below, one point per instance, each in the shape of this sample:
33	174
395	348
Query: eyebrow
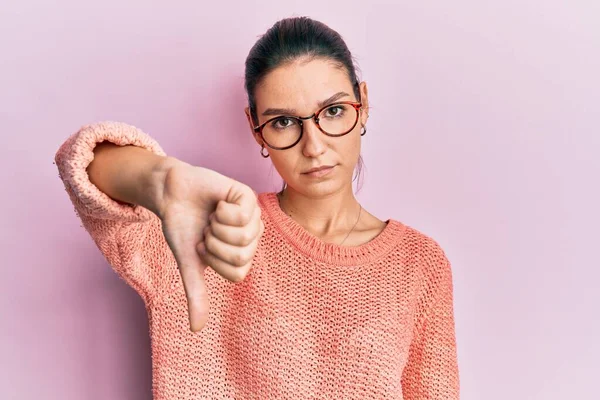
288	111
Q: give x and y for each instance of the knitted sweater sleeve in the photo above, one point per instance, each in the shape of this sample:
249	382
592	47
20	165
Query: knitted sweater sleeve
130	237
432	368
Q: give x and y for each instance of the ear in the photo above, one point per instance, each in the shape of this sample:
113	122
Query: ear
364	97
251	124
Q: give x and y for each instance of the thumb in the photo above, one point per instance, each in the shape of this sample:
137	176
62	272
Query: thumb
192	269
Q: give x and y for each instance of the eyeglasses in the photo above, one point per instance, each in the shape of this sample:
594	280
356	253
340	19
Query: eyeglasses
284	132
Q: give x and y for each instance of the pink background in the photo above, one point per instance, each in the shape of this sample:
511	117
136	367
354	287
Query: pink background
484	134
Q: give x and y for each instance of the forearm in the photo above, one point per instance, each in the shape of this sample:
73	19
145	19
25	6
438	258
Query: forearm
130	174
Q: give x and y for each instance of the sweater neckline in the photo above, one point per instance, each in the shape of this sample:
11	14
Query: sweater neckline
313	247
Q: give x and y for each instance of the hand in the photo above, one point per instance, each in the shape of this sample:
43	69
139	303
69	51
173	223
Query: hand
211	220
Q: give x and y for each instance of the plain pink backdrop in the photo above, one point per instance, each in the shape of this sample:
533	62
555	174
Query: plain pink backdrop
484	133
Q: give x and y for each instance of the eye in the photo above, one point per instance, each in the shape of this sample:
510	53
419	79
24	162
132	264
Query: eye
334	111
282	123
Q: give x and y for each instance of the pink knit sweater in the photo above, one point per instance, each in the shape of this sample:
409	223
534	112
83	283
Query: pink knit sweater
311	320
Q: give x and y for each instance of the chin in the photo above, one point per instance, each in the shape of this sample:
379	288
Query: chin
318	189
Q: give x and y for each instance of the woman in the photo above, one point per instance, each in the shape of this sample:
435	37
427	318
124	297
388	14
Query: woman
307	294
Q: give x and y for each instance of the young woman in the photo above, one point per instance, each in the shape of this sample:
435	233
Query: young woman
308	295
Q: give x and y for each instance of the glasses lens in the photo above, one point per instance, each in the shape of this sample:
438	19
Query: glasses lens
282	132
338	119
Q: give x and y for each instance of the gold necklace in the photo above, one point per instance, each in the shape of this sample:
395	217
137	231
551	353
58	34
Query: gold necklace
358	219
279	194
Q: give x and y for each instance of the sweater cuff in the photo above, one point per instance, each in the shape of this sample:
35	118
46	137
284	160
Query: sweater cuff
77	152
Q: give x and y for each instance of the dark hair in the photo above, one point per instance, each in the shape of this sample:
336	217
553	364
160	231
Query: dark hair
290	39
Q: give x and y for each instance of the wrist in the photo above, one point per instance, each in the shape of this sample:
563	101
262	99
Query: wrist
159	174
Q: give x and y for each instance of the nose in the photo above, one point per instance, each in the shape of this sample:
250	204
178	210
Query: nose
313	140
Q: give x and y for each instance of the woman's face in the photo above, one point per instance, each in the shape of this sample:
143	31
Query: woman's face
300	87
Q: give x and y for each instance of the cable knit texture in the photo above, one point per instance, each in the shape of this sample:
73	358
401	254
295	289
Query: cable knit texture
311	320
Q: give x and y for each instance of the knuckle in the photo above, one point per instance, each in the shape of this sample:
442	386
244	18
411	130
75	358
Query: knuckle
244	217
246	238
249	255
238	259
238	275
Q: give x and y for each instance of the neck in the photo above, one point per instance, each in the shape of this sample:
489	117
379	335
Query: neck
328	217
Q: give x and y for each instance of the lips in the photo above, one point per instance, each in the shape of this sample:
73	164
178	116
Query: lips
318	169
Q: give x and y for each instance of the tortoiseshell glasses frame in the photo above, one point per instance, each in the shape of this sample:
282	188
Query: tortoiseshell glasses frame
315	117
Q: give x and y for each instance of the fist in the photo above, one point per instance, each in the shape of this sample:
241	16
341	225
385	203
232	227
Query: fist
211	220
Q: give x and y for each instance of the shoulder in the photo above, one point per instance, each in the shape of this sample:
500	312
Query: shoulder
267	201
264	198
425	254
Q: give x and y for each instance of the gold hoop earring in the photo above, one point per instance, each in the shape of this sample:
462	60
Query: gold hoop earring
262	154
363	131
